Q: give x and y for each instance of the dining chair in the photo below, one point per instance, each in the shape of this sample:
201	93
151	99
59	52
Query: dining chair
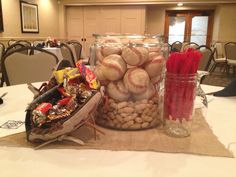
218	58
230	54
176	46
67	53
78	48
19	68
62	64
13	47
24	42
189	45
205	60
2	49
11	41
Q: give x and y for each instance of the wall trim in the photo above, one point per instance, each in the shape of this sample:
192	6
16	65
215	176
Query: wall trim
147	3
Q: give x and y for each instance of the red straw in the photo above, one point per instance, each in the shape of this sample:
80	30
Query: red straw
179	94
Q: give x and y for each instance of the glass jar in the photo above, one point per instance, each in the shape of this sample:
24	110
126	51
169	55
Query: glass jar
130	69
179	96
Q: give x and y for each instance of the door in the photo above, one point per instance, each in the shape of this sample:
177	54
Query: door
189	26
91	25
133	19
83	22
75	23
110	19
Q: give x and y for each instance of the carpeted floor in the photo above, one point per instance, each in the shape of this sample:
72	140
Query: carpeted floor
218	78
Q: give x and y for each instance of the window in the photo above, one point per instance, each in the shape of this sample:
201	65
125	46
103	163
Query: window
189	26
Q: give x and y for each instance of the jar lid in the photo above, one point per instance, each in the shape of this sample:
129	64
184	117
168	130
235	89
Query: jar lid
135	40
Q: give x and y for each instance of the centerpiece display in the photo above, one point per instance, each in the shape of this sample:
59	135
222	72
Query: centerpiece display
130	69
64	104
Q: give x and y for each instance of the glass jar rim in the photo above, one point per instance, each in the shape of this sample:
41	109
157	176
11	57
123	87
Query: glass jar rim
126	39
130	44
170	73
129	35
192	76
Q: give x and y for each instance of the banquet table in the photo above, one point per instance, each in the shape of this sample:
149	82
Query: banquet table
56	51
27	162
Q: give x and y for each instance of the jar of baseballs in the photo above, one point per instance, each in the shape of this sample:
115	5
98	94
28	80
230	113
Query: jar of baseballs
130	69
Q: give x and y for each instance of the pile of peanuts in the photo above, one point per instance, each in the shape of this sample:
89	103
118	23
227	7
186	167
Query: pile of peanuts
131	115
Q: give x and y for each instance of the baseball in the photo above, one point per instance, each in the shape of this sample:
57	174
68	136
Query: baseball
118	91
135	56
99	74
152	55
148	94
155	66
113	67
108	50
136	80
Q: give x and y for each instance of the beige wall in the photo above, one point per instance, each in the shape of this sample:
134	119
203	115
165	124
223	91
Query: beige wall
48	20
225	23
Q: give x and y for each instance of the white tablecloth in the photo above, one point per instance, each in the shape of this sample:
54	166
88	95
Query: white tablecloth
26	162
56	51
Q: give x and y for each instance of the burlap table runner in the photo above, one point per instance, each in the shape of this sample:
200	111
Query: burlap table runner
201	142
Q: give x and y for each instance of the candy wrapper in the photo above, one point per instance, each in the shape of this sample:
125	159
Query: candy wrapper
88	75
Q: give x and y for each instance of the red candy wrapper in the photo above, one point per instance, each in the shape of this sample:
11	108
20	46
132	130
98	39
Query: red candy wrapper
42	109
64	101
90	77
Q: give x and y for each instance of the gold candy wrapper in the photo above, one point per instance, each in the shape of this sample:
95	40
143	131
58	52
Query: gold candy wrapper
69	73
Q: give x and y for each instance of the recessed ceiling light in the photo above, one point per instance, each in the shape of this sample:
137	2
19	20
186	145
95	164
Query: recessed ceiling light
180	4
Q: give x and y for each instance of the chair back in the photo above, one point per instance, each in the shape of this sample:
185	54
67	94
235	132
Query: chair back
2	49
24	42
189	45
207	55
67	54
19	68
219	50
78	48
62	64
10	42
176	46
230	50
15	46
214	55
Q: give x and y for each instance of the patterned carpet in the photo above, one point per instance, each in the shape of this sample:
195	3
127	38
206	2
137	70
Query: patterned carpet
218	78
